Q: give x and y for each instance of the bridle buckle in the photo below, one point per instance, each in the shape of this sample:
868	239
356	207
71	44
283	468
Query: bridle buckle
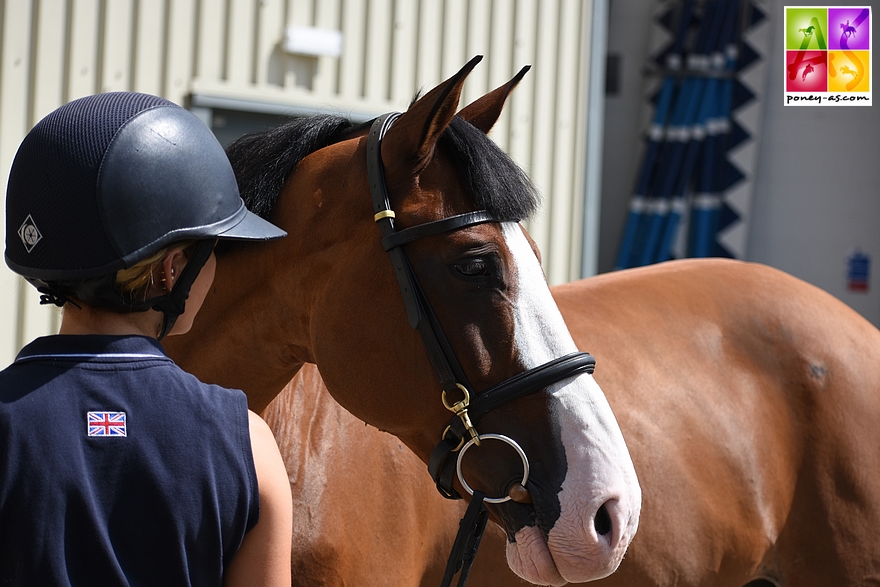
460	409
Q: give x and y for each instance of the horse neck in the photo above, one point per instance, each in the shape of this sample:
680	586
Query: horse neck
248	334
254	331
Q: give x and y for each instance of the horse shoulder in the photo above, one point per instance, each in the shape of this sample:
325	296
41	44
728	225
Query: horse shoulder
365	509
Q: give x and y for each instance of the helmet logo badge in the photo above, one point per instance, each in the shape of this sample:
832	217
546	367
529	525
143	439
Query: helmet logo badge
29	234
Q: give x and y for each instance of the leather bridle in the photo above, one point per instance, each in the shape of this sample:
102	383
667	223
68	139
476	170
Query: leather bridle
461	432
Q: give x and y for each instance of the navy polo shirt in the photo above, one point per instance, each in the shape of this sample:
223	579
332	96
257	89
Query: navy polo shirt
119	468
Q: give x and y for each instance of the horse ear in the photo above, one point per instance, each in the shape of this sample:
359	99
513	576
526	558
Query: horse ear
417	129
484	112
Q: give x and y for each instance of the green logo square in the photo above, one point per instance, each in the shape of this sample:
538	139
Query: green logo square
806	28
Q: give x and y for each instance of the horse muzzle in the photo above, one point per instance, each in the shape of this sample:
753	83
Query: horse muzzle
599	499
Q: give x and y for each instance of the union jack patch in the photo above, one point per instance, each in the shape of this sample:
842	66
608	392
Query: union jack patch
106	424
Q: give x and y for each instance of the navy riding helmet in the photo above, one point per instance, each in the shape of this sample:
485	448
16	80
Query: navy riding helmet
106	181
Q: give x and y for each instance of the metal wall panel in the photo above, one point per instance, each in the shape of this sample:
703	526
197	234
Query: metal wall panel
116	58
231	52
15	106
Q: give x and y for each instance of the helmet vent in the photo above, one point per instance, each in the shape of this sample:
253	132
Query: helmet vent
83	128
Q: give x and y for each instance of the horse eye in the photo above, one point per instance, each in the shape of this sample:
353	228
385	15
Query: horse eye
473	268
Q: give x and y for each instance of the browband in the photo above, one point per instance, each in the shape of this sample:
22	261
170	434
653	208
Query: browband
458	222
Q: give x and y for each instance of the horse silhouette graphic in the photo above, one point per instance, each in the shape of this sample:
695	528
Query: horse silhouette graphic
808	69
808	32
845	69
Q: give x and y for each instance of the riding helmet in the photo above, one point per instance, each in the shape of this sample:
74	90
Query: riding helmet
108	180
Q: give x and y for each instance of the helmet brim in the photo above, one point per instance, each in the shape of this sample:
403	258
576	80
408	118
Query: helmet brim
252	227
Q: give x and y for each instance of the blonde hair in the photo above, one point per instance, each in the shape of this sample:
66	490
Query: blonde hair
135	282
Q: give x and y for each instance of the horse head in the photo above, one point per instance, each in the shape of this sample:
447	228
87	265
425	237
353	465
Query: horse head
330	294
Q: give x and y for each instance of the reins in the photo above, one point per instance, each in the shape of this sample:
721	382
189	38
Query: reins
460	433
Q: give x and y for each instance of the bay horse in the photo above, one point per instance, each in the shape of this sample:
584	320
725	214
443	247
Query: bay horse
749	401
557	476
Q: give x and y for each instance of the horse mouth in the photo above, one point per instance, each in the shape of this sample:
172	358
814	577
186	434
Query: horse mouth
558	558
528	555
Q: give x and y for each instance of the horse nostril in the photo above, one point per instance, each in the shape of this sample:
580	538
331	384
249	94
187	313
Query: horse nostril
602	521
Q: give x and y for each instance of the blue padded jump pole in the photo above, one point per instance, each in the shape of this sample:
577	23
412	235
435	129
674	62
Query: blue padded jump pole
679	205
707	202
677	139
682	130
655	138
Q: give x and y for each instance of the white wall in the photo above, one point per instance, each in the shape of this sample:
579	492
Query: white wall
817	194
816	184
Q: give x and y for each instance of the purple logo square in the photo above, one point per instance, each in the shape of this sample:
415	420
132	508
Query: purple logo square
849	28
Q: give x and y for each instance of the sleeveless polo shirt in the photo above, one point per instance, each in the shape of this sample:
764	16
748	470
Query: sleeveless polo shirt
119	468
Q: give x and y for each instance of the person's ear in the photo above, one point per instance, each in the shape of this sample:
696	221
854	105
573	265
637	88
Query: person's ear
172	266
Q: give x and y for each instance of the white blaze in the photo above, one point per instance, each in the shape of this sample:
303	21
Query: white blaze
600	470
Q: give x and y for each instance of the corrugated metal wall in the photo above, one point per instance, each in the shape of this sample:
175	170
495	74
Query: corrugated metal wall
204	52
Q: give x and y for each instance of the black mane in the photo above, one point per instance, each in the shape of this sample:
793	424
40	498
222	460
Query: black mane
263	160
494	181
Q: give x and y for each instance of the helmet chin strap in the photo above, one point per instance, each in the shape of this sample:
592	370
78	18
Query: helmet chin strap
102	292
173	304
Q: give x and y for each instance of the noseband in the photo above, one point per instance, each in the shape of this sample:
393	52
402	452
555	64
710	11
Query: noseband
460	433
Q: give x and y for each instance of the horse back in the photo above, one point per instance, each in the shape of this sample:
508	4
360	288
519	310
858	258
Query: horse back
749	401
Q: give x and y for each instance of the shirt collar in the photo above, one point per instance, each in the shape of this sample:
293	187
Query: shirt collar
80	347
